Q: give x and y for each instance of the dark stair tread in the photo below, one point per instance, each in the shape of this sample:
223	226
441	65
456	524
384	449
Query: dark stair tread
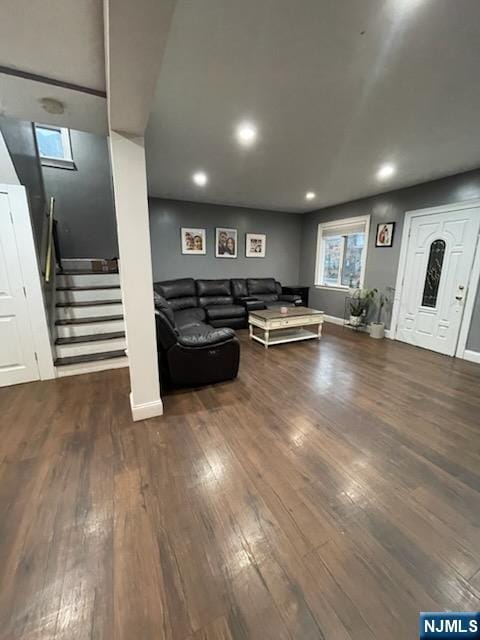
83	272
93	287
88	303
91	357
87	320
91	338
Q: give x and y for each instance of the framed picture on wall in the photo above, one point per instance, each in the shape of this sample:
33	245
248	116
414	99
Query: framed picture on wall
194	241
225	243
255	245
385	234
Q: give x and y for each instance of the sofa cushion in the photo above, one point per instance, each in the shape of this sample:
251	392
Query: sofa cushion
181	293
193	329
219	312
262	286
188	317
239	287
213	288
190	302
267	297
252	304
206	338
180	288
210	301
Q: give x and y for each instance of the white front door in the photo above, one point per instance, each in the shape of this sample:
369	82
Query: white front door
439	257
17	353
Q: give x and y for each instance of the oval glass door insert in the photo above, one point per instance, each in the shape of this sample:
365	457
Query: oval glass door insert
434	273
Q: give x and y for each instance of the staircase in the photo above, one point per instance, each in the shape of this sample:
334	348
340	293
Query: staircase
90	333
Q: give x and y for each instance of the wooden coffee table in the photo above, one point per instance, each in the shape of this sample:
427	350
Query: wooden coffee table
270	326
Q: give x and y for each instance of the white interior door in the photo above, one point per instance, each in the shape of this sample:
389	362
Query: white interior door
439	257
17	352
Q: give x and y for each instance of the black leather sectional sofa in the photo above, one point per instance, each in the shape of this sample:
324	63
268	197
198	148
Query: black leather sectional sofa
195	321
222	303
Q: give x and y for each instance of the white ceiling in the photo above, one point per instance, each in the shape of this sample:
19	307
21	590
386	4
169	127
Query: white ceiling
60	40
336	88
20	99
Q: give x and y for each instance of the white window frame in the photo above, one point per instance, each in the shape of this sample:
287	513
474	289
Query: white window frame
60	163
319	262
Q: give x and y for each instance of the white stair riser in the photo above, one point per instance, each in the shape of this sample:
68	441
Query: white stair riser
70	313
91	294
91	279
89	329
86	348
90	367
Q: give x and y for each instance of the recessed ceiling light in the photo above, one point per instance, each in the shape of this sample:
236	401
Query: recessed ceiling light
246	133
310	195
386	171
200	178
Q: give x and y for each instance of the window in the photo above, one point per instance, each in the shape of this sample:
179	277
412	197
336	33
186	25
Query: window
434	273
54	146
342	252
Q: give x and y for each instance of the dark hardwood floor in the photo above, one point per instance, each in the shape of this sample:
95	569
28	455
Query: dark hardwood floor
331	492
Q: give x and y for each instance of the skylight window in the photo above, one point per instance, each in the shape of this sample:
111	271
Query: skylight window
54	146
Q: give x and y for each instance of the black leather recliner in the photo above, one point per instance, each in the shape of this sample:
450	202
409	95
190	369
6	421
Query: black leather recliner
194	353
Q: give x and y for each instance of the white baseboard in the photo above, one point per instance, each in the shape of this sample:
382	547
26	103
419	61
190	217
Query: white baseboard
333	319
340	321
146	410
472	356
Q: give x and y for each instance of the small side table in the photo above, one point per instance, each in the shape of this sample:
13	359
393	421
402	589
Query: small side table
297	291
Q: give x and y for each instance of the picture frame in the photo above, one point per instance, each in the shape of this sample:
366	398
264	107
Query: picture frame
226	242
255	245
384	236
193	241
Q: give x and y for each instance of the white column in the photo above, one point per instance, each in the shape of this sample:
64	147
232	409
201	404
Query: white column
131	204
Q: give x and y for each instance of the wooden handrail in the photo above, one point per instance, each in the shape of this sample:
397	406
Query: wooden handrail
48	260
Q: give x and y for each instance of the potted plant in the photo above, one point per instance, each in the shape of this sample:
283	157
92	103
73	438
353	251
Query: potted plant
377	329
359	302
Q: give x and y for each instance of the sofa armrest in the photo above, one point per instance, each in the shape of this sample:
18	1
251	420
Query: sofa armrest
206	339
243	299
250	303
290	298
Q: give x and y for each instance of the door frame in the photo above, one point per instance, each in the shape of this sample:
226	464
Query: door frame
472	282
22	228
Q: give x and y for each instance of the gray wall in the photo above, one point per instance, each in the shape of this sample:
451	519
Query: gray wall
473	341
21	144
84	205
382	264
283	241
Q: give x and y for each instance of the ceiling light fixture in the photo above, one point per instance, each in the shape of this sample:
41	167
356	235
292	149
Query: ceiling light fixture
246	133
310	195
386	171
53	106
200	178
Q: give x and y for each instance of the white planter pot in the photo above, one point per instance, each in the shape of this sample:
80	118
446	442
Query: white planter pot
377	330
355	321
